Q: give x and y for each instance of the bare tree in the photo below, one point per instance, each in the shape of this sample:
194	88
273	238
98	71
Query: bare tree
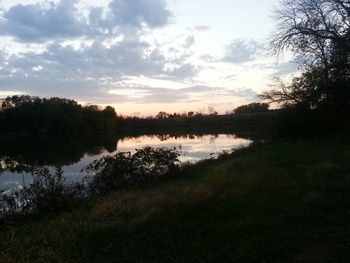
310	26
309	90
281	94
318	32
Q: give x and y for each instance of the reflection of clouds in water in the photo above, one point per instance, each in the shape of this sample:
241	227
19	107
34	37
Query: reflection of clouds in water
192	148
14	180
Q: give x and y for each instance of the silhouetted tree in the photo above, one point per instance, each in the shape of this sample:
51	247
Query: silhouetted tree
304	25
162	115
317	31
54	115
251	108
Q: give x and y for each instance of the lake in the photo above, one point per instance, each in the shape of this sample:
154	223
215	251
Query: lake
18	155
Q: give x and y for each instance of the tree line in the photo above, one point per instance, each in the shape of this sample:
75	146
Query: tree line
58	115
53	115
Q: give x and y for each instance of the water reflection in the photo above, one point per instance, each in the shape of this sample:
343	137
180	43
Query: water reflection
18	156
192	147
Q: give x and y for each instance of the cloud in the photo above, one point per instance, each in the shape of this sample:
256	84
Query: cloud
95	61
245	93
146	95
208	58
286	68
189	42
199	89
36	23
241	51
90	54
149	95
83	51
88	69
63	20
183	72
6	93
139	12
202	28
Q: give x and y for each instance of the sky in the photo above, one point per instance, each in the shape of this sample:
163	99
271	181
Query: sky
141	56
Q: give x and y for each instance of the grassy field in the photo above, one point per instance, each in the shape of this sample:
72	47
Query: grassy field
285	201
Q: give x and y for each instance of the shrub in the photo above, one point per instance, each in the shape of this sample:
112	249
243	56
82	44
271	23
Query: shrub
49	192
127	169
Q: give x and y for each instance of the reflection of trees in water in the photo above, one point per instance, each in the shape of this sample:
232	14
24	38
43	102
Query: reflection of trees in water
250	132
164	137
19	154
186	136
169	136
7	163
212	138
191	136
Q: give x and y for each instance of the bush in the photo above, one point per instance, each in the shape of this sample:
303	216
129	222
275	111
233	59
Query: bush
127	169
49	192
309	123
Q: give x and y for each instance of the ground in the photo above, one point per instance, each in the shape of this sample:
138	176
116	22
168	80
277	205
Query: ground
280	201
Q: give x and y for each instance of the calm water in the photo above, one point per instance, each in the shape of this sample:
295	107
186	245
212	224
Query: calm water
73	154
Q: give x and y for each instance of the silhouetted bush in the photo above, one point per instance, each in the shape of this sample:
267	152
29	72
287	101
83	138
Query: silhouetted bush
306	122
128	169
49	192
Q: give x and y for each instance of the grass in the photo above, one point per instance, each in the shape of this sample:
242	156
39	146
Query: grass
285	201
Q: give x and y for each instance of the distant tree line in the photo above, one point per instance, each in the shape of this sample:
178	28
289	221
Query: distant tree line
193	115
54	115
57	115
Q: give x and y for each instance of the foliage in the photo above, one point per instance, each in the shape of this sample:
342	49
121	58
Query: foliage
54	115
252	108
48	192
13	203
318	32
312	27
127	169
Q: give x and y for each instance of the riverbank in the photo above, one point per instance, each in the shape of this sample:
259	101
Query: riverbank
285	201
260	123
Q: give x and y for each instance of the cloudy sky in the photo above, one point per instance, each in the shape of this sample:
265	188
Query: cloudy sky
140	56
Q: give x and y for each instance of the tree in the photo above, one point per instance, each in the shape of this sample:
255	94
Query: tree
53	115
318	32
190	114
162	115
305	25
252	108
